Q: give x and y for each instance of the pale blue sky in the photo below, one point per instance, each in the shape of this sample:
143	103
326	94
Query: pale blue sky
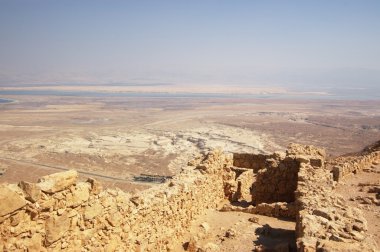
274	43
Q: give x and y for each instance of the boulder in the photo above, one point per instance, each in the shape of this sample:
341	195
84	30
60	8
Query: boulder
31	190
231	233
114	219
205	226
192	245
17	218
35	243
56	227
96	186
10	200
92	211
210	247
58	181
80	194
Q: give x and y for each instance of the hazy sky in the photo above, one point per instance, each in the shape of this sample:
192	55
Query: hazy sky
220	42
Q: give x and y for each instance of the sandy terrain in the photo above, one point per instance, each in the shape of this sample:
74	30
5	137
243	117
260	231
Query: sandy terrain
117	138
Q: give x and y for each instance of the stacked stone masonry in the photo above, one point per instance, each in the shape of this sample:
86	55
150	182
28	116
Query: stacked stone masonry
78	216
344	166
250	161
276	182
61	214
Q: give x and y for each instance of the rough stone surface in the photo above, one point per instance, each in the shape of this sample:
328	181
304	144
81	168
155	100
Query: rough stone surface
31	190
80	217
58	181
238	188
10	200
276	182
251	161
56	227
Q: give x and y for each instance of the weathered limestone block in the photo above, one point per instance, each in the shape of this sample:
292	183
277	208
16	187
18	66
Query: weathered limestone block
35	243
113	244
32	191
230	188
337	173
56	227
58	181
96	186
10	200
240	188
20	217
79	194
309	150
47	204
114	219
303	159
93	211
251	161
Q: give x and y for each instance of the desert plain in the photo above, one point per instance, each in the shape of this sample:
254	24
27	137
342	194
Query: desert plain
116	137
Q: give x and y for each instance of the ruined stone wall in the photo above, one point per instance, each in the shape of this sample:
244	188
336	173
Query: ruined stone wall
238	188
250	161
275	176
344	166
274	179
277	182
325	222
60	213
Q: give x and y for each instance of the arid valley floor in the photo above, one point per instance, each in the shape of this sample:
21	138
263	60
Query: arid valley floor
115	139
119	137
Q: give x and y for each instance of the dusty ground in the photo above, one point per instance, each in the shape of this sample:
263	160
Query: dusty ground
116	138
235	231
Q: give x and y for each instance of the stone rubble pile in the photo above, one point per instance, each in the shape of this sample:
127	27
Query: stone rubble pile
325	222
